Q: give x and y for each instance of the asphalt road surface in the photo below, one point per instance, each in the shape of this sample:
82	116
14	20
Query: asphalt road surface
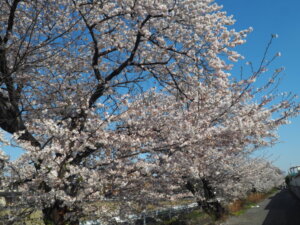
280	209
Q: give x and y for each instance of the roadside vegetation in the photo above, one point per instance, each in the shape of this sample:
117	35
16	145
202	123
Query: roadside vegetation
236	208
239	206
194	217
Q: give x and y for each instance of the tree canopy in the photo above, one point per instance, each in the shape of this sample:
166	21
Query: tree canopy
129	100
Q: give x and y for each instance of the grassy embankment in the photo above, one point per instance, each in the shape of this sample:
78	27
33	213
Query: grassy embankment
35	218
236	208
195	217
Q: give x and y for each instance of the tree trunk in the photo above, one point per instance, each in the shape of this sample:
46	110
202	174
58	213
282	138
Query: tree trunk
211	206
55	215
214	209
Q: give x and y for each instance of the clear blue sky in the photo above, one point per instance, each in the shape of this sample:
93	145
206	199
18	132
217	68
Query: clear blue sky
274	17
269	17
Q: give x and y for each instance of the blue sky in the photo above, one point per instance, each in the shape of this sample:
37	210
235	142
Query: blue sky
274	17
270	17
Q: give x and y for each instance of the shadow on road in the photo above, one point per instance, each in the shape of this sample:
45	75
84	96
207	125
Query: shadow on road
284	209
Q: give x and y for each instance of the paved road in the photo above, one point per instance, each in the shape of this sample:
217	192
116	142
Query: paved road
280	209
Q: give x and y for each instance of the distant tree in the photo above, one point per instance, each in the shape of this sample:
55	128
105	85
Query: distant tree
73	81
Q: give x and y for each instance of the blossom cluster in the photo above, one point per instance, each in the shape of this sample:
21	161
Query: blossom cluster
128	101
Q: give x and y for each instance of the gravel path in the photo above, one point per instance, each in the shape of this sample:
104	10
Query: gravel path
279	209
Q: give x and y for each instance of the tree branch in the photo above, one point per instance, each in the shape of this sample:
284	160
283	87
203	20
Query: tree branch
101	87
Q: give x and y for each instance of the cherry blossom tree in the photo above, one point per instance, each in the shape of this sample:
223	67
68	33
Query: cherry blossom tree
122	99
211	136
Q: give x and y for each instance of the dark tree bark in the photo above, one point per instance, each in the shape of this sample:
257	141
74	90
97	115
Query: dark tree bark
209	205
55	215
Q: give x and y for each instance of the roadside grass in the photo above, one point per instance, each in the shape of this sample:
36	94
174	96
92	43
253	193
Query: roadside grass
194	217
34	218
240	206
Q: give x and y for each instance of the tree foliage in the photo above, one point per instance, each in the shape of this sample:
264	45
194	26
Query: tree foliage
129	100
